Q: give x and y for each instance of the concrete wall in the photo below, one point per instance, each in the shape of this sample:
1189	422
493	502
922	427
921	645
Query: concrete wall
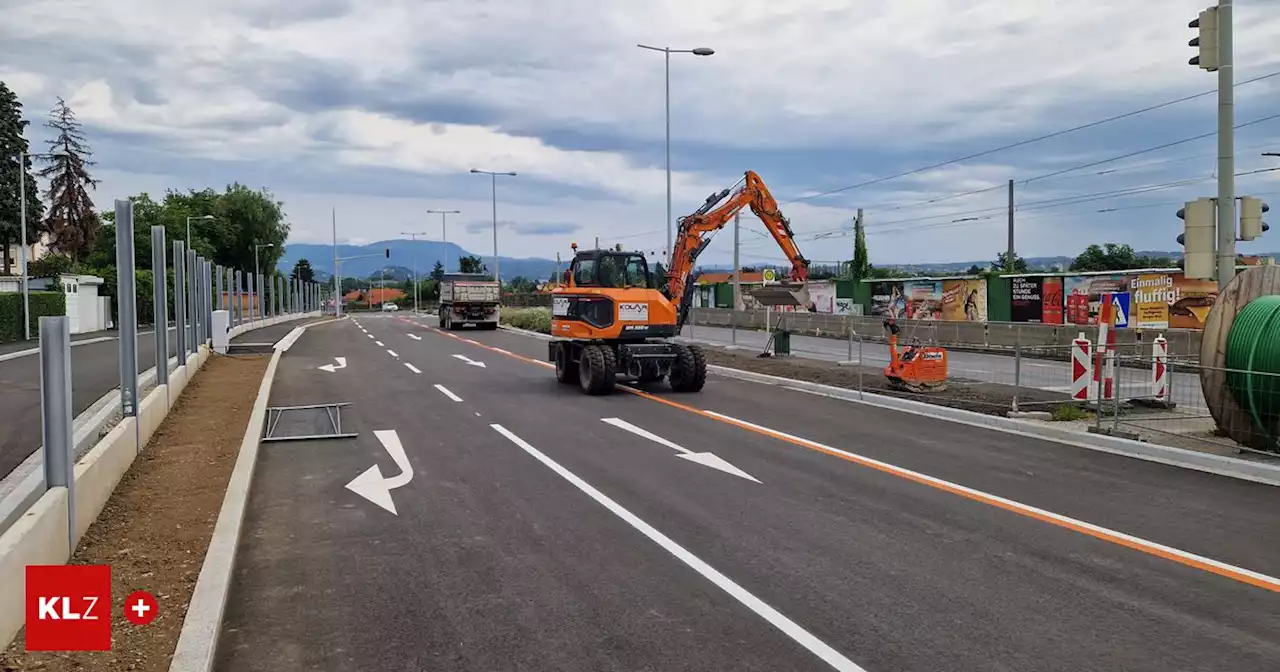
40	536
995	336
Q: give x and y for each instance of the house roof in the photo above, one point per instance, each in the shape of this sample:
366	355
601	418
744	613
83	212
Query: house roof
375	295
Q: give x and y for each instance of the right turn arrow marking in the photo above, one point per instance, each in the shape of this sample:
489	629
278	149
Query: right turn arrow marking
705	459
342	364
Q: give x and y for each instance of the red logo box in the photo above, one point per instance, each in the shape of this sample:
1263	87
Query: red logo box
68	608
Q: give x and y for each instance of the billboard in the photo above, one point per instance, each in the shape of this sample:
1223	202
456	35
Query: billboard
887	300
1051	290
1171	301
1084	294
964	300
1027	303
823	296
923	299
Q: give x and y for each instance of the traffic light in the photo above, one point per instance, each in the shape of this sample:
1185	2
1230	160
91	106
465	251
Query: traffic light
1207	40
1198	238
1251	224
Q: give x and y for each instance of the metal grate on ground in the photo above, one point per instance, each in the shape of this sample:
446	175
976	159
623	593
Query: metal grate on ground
305	423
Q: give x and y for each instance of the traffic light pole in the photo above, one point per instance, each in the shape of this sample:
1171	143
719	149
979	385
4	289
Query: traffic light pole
1226	149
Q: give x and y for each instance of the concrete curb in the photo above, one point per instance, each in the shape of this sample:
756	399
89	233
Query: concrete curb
1151	452
1178	457
198	641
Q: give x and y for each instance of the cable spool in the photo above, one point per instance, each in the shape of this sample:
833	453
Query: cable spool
1239	348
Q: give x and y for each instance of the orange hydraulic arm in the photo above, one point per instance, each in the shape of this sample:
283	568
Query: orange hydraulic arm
692	236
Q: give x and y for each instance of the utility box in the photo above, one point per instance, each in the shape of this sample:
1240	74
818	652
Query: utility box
221	331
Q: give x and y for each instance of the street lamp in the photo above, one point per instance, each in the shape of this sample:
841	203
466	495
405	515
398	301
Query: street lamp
413	236
700	51
22	227
496	275
443	234
257	247
257	275
202	218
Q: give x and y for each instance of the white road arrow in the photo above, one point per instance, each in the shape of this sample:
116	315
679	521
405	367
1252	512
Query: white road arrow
342	364
705	459
470	361
372	486
415	337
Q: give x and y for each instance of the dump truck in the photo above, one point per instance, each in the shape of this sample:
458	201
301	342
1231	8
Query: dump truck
468	300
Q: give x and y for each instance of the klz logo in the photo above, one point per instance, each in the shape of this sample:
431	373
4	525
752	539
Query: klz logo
68	608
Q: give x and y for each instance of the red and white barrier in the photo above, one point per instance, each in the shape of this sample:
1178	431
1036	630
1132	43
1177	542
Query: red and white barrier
1160	369
1082	388
1104	364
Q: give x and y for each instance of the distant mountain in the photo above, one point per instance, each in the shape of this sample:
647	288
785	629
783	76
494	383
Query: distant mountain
404	254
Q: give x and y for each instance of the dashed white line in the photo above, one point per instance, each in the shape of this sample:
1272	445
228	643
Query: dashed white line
369	335
445	391
378	343
775	618
412	367
393	353
415	337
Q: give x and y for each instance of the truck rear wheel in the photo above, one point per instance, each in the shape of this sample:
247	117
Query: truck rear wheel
597	370
689	371
566	368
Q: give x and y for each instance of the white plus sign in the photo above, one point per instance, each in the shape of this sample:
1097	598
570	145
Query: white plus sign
141	608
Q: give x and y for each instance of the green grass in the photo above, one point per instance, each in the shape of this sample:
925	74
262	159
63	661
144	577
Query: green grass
531	319
1069	412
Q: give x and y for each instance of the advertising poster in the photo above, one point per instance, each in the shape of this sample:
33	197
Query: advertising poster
924	299
964	300
1051	290
1092	287
823	296
1028	299
887	300
1152	296
1190	302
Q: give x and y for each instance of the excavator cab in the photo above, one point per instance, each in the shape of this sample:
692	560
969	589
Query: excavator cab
914	368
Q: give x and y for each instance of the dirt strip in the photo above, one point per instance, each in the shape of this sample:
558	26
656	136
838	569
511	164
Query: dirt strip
156	527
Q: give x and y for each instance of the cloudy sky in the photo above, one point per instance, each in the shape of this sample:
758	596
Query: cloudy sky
380	108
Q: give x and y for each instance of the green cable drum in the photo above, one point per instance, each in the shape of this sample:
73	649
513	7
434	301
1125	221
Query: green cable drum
1253	362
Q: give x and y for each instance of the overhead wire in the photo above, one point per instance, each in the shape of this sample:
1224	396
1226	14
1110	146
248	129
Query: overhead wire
1023	143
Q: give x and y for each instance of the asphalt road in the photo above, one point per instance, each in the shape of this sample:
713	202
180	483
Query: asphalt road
95	371
542	529
1040	374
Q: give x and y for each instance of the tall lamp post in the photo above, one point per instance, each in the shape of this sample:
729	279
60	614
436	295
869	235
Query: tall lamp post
444	236
496	274
667	51
257	247
413	236
22	227
202	218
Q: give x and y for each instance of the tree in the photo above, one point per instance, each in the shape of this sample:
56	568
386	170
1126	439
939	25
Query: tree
974	270
1116	257
437	272
13	143
472	264
302	271
72	223
860	267
1001	263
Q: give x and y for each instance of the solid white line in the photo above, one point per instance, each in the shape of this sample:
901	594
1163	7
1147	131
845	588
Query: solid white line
378	343
788	627
624	425
445	391
392	353
412	367
1019	506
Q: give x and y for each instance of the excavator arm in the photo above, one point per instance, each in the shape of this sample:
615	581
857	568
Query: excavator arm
695	231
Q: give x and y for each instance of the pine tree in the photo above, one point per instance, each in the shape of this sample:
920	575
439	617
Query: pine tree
72	222
12	143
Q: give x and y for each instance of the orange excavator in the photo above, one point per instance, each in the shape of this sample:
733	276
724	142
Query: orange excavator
916	368
613	317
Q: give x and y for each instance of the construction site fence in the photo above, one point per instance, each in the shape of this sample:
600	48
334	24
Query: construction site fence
1042	340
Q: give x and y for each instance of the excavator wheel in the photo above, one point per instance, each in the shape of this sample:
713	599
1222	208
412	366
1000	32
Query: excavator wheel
566	368
689	371
597	370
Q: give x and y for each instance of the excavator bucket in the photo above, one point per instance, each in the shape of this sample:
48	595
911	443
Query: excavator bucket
784	294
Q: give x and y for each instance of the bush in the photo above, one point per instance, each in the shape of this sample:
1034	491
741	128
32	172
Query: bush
50	266
530	319
42	303
1069	413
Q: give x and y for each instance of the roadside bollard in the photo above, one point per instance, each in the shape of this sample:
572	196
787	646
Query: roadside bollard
1160	369
1082	370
